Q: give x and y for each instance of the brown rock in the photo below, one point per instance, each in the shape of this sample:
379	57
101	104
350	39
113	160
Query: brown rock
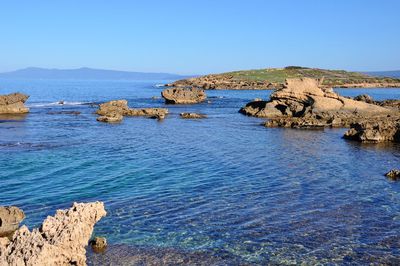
13	103
117	106
192	116
183	96
364	98
375	131
114	111
110	118
61	239
98	244
393	174
10	217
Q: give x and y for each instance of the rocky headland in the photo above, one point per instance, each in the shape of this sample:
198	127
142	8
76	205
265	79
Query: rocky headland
114	111
274	78
13	103
61	240
183	95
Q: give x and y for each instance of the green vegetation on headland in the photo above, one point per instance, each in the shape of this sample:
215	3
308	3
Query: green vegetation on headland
275	77
331	77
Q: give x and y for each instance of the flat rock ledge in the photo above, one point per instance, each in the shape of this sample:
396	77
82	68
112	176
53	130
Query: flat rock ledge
183	95
61	239
304	103
13	103
192	116
114	111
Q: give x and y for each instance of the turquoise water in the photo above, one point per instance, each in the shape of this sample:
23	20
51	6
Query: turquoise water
222	185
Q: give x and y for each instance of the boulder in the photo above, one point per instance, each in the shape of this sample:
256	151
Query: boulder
183	95
110	118
364	98
10	217
393	174
374	131
114	111
61	239
13	103
111	107
192	116
98	244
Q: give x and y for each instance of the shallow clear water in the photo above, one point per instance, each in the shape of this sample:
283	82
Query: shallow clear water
223	185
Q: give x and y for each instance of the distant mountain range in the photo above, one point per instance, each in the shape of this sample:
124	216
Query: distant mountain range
86	73
392	74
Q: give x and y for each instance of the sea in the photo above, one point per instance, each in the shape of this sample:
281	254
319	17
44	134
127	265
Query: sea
223	190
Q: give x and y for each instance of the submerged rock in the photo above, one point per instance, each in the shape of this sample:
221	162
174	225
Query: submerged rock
13	103
192	115
393	174
98	244
374	131
114	111
61	239
183	95
10	218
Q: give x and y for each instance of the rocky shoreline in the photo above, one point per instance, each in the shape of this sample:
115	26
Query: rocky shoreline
61	239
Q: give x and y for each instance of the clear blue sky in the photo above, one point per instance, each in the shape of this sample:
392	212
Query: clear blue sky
203	36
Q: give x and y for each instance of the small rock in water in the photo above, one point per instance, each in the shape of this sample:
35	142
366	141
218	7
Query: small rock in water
155	97
393	174
192	115
98	244
61	102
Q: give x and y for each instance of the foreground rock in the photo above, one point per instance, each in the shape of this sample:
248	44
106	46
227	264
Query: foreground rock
61	239
183	95
13	103
114	111
382	130
304	103
10	217
393	174
192	116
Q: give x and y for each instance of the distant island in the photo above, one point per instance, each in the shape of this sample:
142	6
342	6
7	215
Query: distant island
86	74
272	78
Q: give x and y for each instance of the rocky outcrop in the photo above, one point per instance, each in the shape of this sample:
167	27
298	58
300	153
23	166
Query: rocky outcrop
304	103
192	115
375	131
393	174
10	217
183	95
114	111
13	103
223	82
61	239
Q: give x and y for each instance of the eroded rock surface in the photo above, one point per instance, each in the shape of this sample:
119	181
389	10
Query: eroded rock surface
10	217
375	131
13	103
303	102
61	239
183	95
114	111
